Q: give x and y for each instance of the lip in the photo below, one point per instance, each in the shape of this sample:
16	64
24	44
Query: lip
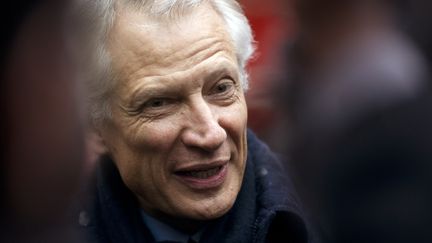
211	182
201	166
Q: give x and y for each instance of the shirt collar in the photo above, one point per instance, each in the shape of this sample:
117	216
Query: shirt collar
164	232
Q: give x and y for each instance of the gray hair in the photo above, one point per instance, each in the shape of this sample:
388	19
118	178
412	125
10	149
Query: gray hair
97	18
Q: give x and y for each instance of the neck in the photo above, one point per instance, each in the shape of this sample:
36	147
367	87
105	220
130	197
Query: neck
188	226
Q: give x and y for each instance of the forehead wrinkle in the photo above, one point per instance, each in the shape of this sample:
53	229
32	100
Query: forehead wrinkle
184	57
170	46
199	71
193	50
156	72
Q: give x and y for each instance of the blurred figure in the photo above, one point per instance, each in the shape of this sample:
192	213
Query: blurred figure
356	112
350	57
377	185
42	156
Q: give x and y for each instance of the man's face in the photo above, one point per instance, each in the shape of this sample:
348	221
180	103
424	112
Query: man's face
178	132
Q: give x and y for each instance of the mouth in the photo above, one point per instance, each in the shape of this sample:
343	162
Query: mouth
203	177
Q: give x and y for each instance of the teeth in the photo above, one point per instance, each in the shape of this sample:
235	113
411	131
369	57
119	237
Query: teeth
204	174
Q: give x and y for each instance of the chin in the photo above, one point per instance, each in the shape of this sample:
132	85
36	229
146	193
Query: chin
210	205
212	208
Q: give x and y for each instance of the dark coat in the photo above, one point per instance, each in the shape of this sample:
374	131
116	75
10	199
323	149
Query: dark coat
266	209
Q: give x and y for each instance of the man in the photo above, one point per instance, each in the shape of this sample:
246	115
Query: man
169	109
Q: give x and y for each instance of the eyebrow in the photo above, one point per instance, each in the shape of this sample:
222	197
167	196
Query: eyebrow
221	71
147	91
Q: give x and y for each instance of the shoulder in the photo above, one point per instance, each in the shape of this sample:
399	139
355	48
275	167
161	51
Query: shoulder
110	212
280	215
273	182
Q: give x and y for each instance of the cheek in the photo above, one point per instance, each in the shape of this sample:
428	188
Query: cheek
148	147
141	149
154	136
234	119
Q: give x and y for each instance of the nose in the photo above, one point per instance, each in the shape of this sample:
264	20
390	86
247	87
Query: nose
203	130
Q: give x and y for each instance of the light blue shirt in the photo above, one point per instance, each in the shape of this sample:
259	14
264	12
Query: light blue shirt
164	232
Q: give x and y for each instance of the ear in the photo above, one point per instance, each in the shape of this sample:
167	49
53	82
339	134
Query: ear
95	145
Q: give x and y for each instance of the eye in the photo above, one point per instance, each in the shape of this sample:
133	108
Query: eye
223	87
155	103
157	107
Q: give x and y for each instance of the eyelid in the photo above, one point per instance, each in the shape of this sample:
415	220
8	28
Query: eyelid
145	110
226	81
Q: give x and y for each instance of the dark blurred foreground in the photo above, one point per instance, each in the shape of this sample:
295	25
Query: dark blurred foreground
41	129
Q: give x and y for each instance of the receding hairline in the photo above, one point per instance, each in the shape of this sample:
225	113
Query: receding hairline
171	16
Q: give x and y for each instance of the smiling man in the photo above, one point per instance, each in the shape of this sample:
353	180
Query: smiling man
168	105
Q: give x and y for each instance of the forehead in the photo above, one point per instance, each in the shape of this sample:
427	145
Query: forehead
164	44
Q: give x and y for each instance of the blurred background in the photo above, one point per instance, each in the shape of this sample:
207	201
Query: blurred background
342	90
274	26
